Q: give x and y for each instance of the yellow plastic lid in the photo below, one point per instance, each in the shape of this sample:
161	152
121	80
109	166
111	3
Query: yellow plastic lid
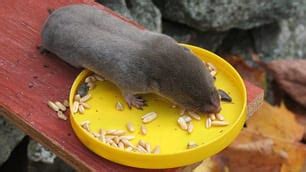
164	131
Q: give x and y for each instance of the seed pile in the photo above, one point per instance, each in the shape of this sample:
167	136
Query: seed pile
90	80
79	104
119	139
216	120
60	108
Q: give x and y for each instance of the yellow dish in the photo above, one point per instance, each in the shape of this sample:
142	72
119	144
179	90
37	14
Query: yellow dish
164	131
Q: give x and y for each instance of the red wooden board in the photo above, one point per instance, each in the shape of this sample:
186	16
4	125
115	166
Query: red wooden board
29	80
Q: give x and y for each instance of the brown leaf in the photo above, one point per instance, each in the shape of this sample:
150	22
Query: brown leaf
275	122
253	152
258	157
256	75
301	118
290	75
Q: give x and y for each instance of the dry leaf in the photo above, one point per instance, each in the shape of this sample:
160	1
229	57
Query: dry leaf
256	75
264	154
301	118
275	122
290	77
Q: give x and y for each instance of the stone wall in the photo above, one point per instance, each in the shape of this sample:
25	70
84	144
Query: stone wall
272	29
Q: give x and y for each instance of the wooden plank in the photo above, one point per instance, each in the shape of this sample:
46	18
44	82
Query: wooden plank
255	97
29	80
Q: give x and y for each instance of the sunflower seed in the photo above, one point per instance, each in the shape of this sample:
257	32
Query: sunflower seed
213	73
127	143
66	103
107	137
98	77
61	115
182	123
148	147
77	97
75	106
130	127
212	117
147	115
96	135
208	123
119	106
186	118
91	85
142	143
219	116
110	132
102	135
129	149
85	125
150	117
112	143
81	109
156	150
85	105
194	116
211	66
109	140
53	106
143	129
119	132
85	98
116	139
127	137
173	106
190	128
121	145
219	123
60	106
90	79
141	149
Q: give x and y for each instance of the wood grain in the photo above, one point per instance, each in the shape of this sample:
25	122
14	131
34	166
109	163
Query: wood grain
29	80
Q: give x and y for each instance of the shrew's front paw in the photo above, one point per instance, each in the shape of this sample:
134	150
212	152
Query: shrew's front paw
134	101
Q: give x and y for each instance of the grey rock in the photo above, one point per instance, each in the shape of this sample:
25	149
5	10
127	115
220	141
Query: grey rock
209	40
117	5
286	39
146	14
10	137
58	166
237	42
142	11
223	14
42	159
38	153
